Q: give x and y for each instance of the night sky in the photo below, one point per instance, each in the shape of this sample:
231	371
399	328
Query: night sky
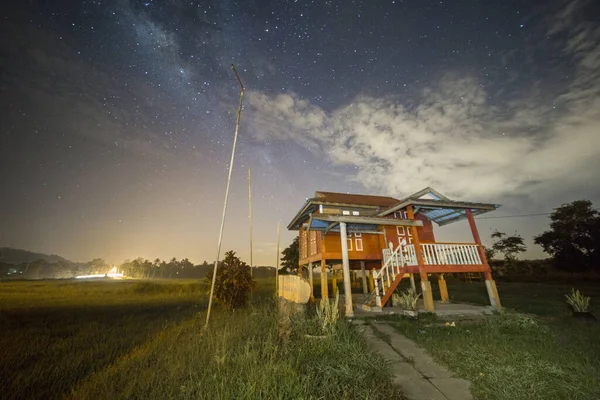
117	117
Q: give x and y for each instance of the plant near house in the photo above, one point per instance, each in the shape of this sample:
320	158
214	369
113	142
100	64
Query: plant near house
579	302
328	313
408	301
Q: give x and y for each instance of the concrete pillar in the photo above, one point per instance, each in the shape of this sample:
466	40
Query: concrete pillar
427	296
324	288
310	280
371	281
490	285
364	277
346	269
443	288
413	285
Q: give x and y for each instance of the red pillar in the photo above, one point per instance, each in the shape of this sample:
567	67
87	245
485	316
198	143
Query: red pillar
477	240
489	282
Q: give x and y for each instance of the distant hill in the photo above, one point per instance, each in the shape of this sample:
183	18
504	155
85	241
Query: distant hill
17	256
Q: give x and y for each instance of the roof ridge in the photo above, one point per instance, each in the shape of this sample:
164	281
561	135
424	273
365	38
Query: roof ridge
355	194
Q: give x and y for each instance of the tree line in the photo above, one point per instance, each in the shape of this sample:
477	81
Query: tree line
138	268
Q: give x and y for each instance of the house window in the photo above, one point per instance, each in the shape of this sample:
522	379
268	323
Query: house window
404	234
349	240
312	243
400	215
359	242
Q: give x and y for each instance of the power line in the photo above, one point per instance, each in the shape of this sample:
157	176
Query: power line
514	216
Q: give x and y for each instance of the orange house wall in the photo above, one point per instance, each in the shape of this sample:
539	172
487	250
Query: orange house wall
372	243
425	232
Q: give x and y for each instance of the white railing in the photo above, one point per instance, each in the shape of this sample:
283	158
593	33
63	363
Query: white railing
433	254
393	261
450	254
444	254
410	255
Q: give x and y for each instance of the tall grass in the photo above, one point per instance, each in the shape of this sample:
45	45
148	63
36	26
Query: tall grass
243	356
138	340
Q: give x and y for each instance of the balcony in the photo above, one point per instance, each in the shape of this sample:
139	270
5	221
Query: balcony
443	254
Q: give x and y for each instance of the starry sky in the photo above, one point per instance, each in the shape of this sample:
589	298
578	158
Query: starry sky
117	117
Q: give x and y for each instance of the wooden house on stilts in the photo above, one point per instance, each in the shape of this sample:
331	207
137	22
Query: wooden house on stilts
392	239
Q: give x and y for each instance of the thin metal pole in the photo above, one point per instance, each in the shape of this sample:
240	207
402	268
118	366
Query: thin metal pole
237	126
277	263
250	216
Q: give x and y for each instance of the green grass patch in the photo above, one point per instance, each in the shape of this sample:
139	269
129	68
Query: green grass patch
144	340
543	354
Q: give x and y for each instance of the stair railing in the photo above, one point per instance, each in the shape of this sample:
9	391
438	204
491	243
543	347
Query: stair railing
392	266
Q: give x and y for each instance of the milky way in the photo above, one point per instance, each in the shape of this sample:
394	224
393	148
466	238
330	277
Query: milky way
118	116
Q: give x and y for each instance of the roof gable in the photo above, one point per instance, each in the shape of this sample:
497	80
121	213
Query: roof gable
427	193
439	208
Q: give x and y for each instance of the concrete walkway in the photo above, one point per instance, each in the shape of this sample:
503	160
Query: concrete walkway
442	310
413	370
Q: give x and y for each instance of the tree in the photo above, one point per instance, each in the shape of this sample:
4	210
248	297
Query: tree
98	266
233	281
490	253
573	240
510	246
291	255
172	266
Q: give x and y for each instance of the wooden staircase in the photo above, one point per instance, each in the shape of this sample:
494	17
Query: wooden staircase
386	279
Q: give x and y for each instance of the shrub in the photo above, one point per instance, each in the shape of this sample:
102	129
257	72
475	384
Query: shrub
233	282
579	302
407	299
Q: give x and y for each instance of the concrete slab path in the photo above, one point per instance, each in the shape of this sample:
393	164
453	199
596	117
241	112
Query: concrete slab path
419	376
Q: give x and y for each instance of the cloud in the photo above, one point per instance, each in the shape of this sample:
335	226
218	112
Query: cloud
459	137
286	116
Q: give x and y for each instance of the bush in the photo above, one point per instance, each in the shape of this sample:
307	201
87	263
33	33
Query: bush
579	302
407	299
233	282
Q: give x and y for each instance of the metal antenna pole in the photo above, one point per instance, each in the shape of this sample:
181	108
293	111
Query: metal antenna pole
237	126
277	263
250	216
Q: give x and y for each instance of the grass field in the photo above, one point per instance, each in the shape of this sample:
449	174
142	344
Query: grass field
534	351
144	340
